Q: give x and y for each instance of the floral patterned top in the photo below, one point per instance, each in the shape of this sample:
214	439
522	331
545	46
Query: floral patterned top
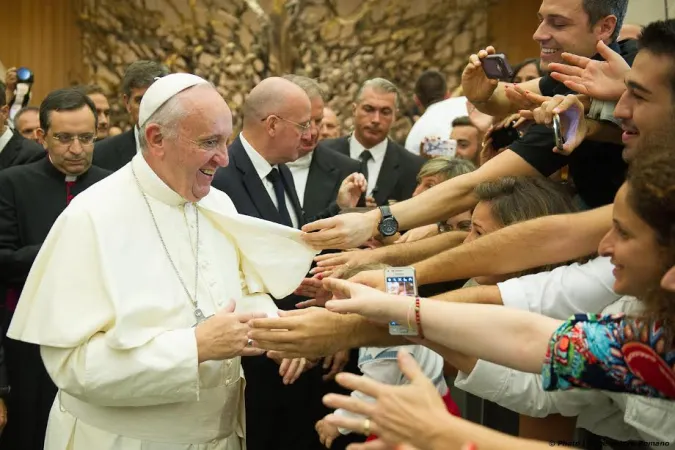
613	353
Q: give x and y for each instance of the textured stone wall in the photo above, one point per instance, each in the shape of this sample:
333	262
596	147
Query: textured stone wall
236	43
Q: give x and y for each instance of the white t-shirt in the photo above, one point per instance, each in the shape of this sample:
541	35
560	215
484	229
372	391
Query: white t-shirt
436	122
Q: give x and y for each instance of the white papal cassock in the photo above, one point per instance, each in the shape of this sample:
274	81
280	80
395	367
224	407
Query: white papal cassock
116	327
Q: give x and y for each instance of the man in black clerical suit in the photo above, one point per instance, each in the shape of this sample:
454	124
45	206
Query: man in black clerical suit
276	114
115	152
14	149
32	196
390	169
322	177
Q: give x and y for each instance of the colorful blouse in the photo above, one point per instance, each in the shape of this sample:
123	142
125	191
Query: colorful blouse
612	353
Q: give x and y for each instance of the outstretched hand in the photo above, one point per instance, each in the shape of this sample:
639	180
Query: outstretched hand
366	301
400	414
603	80
570	109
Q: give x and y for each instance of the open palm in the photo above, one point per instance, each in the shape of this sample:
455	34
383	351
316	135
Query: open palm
603	80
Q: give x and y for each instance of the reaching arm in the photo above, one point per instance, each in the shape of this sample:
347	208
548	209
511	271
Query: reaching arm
534	243
447	432
395	255
476	330
489	96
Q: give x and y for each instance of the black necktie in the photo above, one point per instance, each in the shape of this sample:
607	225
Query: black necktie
275	177
365	156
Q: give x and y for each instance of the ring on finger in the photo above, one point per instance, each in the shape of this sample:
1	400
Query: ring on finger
366	427
249	343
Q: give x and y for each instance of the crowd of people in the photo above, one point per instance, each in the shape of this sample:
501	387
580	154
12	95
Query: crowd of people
177	286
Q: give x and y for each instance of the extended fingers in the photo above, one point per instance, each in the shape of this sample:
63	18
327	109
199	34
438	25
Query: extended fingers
354	424
363	384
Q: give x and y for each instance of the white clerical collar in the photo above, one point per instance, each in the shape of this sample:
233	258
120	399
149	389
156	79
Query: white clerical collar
260	164
301	163
5	138
378	151
153	185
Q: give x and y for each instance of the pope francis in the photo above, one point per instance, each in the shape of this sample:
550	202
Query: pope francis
141	294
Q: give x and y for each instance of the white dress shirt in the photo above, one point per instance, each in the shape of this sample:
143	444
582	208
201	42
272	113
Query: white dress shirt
4	139
263	168
300	170
374	163
619	416
436	122
381	364
564	291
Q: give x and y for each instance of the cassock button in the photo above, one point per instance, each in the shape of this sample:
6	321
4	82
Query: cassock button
228	362
228	380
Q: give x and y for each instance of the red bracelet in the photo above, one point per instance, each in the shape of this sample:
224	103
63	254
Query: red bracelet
418	319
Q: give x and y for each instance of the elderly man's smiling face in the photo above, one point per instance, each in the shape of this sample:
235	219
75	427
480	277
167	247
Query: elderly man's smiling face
187	154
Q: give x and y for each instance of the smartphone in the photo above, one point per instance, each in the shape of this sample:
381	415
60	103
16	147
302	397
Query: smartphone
558	132
436	146
504	137
496	67
401	281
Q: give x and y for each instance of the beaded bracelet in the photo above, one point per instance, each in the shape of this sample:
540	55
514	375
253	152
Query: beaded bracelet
418	318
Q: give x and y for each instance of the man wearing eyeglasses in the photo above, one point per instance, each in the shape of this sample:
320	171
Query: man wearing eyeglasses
277	116
32	196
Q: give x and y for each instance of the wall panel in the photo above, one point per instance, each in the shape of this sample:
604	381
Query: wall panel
43	36
511	24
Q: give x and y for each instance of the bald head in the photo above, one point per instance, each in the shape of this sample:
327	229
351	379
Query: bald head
277	115
273	95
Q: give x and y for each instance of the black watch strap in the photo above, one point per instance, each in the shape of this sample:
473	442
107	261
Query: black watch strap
385	210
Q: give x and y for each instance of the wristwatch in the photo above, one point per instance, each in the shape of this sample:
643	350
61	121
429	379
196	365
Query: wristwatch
388	225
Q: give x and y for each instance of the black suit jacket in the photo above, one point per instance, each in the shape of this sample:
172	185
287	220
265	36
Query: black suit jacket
326	172
20	150
32	196
278	416
241	183
398	176
115	152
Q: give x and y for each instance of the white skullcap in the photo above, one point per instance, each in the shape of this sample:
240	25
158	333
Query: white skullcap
162	90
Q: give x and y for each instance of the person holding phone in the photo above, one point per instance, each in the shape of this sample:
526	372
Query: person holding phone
596	177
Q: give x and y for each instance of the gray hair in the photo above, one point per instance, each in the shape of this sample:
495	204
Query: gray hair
599	9
446	167
311	87
381	85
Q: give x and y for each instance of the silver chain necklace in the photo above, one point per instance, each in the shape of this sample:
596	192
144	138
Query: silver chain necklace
199	314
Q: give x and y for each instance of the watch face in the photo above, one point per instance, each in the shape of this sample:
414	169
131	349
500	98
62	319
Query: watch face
388	227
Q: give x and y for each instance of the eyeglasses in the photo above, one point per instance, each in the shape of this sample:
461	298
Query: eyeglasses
68	139
302	127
